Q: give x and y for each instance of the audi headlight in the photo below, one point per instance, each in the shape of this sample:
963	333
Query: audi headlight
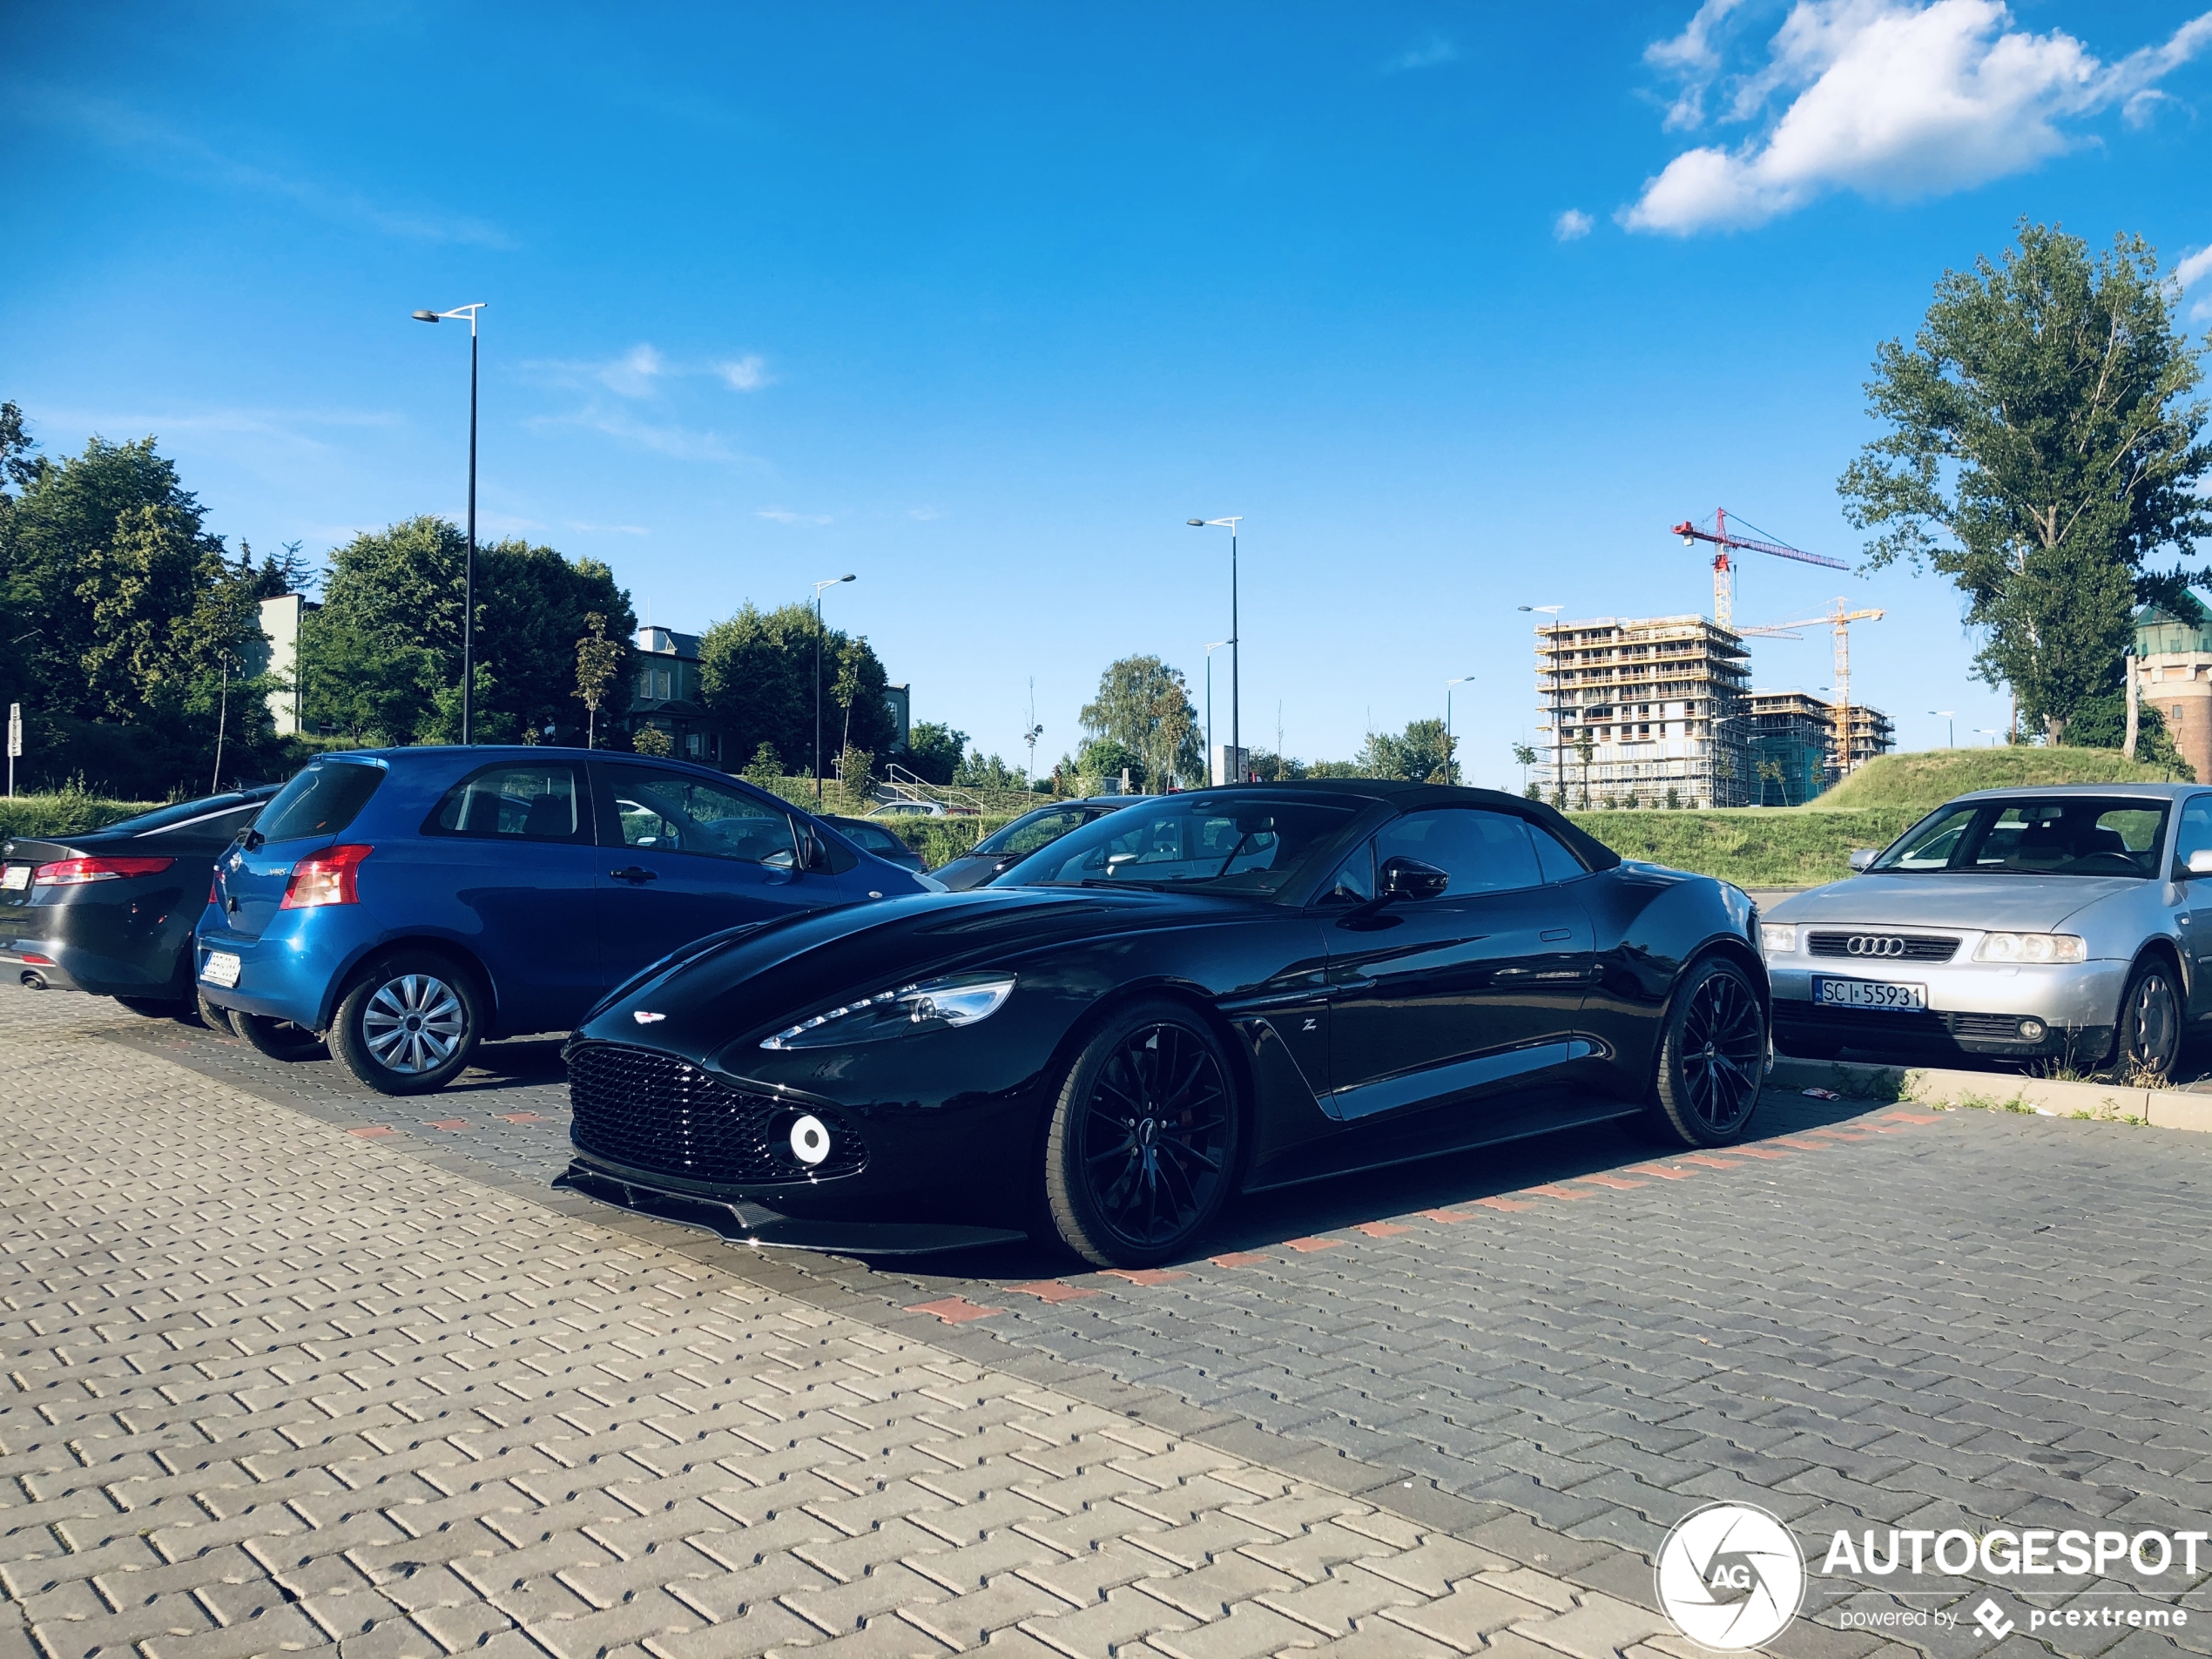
1780	938
932	1004
2031	947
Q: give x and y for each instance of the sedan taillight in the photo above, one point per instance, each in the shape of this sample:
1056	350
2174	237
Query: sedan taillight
323	878
70	873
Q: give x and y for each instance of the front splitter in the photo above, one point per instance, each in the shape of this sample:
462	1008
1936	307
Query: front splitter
756	1224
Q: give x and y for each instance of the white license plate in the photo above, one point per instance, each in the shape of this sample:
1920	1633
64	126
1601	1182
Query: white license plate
16	878
221	969
1868	994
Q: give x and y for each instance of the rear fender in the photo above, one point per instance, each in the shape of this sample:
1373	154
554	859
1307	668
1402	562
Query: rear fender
437	944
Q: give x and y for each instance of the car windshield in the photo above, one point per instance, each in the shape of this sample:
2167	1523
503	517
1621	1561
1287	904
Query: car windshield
185	814
1236	843
2062	835
1031	831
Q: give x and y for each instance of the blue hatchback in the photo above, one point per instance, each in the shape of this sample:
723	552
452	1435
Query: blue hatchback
406	904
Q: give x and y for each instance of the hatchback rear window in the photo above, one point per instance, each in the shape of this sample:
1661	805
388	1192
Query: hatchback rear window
322	800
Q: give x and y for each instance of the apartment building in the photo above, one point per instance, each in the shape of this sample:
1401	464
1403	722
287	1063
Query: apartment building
1642	711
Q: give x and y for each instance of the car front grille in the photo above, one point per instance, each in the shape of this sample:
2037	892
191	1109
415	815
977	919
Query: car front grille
655	1113
1873	946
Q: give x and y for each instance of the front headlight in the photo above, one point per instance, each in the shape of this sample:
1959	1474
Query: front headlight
933	1005
1780	938
2031	947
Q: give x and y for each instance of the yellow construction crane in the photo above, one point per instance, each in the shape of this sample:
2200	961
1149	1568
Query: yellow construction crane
1840	619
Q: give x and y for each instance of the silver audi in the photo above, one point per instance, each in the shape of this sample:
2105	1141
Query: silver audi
2071	923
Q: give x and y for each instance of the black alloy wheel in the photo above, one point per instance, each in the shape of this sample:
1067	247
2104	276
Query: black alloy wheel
1713	1057
278	1039
1142	1144
410	1023
2148	1040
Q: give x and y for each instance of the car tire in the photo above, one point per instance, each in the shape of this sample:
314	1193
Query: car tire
278	1039
372	1036
1142	1142
216	1019
1712	1057
2146	1031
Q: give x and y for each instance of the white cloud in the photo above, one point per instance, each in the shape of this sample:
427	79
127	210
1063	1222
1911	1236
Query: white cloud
620	424
1572	226
2194	268
784	515
632	374
746	373
1430	54
1893	99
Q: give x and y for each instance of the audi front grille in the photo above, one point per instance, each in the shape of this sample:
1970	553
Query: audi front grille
1874	946
661	1116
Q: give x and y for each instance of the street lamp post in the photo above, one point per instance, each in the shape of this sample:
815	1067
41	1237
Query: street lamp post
1235	644
1951	726
818	586
1211	649
468	571
1451	765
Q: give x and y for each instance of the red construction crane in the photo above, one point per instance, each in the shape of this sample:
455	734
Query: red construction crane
1724	569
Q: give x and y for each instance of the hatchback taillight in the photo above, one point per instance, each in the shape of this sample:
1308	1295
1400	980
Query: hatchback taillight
70	873
326	877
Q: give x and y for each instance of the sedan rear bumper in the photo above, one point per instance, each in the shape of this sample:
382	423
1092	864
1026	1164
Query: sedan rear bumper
744	1223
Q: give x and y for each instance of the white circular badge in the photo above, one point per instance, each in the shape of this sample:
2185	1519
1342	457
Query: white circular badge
810	1140
1731	1577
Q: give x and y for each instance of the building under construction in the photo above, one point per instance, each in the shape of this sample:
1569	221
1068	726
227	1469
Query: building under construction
1646	711
1653	712
1791	736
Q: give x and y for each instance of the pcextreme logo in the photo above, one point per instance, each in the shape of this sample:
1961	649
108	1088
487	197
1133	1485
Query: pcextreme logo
1731	1577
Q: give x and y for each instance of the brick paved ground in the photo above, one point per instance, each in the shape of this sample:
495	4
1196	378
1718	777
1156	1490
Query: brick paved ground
1544	1355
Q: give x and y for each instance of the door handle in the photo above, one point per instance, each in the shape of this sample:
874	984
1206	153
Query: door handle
1556	933
635	874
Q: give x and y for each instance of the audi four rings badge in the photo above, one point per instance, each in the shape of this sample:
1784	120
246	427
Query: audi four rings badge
1874	945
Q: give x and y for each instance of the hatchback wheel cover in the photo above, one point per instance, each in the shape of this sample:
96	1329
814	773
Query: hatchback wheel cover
1723	1052
414	1023
1153	1139
2153	1029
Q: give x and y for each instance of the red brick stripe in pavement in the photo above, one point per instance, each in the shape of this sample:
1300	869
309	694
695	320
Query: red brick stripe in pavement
1614	1182
1505	1203
1309	1245
1909	1117
1239	1258
521	1117
1661	1170
1712	1164
1146	1275
954	1310
1551	1191
373	1131
1380	1229
1051	1290
1759	1152
1450	1216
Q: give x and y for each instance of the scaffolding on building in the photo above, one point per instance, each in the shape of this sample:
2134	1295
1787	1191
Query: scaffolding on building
1642	711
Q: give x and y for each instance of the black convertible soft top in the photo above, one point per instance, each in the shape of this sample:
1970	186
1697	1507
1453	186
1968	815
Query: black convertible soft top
1413	797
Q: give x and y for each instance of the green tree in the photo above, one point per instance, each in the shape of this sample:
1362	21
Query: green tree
651	740
756	672
382	656
2100	722
2042	449
1421	753
1105	758
766	767
980	771
934	751
599	660
1143	705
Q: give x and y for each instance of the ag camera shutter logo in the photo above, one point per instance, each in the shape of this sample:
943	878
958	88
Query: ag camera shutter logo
1731	1577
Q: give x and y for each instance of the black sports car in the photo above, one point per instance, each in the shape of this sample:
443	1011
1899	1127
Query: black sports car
1199	994
111	910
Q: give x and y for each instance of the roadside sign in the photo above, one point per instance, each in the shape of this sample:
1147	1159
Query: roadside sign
15	730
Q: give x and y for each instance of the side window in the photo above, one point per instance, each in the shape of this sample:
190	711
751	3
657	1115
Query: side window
513	803
675	812
1482	852
1354	881
2194	833
1556	863
1048	829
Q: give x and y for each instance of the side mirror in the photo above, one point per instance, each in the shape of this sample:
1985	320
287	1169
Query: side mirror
2199	862
1404	878
815	855
1861	857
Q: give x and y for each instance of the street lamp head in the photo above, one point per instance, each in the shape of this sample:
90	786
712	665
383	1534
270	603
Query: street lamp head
848	578
426	316
1195	523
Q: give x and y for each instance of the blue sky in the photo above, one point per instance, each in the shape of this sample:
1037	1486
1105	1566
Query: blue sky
1459	306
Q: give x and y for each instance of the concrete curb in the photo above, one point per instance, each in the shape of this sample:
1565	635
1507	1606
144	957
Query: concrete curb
1940	1086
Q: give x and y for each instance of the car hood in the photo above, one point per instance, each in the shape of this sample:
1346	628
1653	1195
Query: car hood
750	981
2004	903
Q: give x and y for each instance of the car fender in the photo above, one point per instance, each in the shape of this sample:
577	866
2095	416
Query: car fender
443	943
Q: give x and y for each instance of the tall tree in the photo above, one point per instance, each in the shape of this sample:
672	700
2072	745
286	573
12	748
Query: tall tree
1143	705
599	660
1421	753
384	654
757	671
2042	449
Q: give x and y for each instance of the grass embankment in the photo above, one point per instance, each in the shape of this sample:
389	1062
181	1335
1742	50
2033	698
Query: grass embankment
1801	847
67	813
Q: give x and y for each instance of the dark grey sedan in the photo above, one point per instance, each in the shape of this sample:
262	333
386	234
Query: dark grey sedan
886	844
1000	851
